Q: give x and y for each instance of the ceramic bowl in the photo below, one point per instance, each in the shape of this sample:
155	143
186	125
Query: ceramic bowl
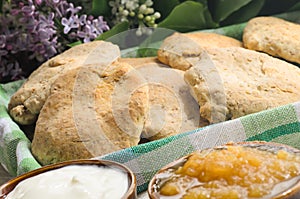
290	191
130	194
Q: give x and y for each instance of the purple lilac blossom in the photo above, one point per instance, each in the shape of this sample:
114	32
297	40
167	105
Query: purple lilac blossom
32	31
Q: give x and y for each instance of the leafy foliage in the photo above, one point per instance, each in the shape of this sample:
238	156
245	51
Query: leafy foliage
244	13
165	7
222	9
100	7
188	16
115	30
124	22
295	7
272	7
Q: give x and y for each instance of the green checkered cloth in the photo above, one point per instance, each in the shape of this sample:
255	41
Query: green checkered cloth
280	125
15	155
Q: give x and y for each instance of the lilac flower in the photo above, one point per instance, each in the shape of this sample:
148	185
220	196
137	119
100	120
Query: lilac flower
100	25
32	31
2	53
12	69
23	32
86	27
47	21
91	27
2	41
59	6
72	22
73	10
38	2
22	41
28	10
43	35
83	20
87	34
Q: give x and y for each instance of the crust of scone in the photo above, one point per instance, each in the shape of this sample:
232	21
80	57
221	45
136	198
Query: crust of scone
172	109
82	118
275	36
232	82
26	103
136	62
180	49
213	40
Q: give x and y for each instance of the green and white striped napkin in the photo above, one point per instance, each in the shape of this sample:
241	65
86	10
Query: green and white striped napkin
280	125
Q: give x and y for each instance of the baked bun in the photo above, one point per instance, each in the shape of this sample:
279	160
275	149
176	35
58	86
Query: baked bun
25	105
275	36
232	82
181	49
91	111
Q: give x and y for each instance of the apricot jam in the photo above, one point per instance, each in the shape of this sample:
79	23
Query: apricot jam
231	172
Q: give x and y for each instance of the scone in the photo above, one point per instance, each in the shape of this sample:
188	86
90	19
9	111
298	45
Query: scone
138	61
172	109
26	103
277	37
232	82
86	116
180	50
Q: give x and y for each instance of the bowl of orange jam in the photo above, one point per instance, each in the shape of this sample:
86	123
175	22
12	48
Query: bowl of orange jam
245	170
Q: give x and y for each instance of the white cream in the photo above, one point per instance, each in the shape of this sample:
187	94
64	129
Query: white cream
76	182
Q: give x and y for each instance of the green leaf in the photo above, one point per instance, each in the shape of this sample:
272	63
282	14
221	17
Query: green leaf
188	16
100	8
201	1
272	7
75	43
244	13
221	9
164	7
121	27
295	7
234	31
292	16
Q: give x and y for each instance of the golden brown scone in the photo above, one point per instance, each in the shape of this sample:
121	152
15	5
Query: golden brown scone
136	62
277	37
179	50
172	109
27	102
86	116
232	82
213	40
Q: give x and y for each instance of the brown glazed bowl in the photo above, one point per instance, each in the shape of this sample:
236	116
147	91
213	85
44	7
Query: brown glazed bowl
130	194
291	191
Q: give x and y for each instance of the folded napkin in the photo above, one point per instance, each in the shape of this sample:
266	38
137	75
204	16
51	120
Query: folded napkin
280	125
